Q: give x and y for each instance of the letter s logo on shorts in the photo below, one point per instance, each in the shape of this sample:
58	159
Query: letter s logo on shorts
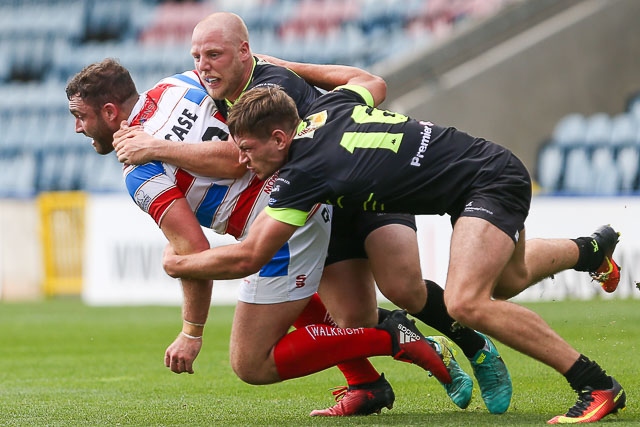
301	280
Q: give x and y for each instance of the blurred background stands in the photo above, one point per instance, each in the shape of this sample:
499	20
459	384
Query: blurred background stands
593	155
44	42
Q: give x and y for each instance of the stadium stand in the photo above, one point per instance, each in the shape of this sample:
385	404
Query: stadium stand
595	155
44	42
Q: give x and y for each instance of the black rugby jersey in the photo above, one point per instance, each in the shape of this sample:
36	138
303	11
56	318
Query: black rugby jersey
265	74
354	156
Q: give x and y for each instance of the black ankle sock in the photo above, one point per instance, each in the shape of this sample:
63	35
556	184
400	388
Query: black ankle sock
590	256
585	372
435	315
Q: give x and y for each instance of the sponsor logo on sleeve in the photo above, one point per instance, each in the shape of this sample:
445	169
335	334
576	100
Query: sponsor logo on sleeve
309	125
424	144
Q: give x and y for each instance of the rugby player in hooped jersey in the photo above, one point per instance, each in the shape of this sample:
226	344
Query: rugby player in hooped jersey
100	97
227	68
354	156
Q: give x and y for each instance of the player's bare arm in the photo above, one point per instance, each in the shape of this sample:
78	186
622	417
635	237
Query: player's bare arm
266	236
329	76
211	158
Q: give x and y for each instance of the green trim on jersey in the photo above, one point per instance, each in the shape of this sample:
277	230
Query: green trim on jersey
362	115
362	91
288	216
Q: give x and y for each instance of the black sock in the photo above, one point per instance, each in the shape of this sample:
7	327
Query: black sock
590	256
435	315
585	373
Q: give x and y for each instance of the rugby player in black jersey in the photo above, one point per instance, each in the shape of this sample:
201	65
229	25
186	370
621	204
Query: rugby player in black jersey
347	153
262	349
363	246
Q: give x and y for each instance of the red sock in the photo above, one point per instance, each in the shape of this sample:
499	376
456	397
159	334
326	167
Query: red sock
358	371
317	347
315	313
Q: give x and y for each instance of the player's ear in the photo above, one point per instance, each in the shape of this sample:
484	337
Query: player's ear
110	111
245	50
280	137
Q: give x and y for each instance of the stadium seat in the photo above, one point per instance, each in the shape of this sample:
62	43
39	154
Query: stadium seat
598	129
47	172
571	129
321	15
102	174
11	138
265	41
108	20
173	22
279	12
69	176
550	167
30	58
627	164
624	129
375	15
577	176
604	173
354	43
18	174
5	64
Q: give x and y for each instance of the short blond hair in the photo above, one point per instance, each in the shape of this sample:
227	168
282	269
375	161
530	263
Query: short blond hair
261	110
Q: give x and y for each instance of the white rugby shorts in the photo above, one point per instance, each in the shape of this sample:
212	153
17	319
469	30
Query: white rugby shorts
294	273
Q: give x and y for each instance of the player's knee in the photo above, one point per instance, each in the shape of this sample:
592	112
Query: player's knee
410	295
464	310
247	373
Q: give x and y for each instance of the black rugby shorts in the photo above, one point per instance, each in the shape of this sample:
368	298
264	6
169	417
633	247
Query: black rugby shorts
349	229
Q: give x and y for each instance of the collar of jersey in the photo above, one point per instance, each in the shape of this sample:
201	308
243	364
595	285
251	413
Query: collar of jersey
253	67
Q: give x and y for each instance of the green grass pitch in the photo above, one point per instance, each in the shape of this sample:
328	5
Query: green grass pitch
66	364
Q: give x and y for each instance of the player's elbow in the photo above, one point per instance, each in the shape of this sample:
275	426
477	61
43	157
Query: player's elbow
171	267
248	261
378	89
238	170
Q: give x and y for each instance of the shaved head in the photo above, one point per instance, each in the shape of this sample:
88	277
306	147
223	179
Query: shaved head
221	54
229	26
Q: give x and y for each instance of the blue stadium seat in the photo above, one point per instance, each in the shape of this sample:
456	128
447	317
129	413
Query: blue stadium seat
265	41
604	173
5	64
11	136
18	174
32	131
47	178
354	44
577	176
598	129
108	20
550	167
102	173
624	129
571	129
627	164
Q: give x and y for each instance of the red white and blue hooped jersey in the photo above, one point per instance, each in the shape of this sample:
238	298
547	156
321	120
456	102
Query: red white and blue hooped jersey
178	108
